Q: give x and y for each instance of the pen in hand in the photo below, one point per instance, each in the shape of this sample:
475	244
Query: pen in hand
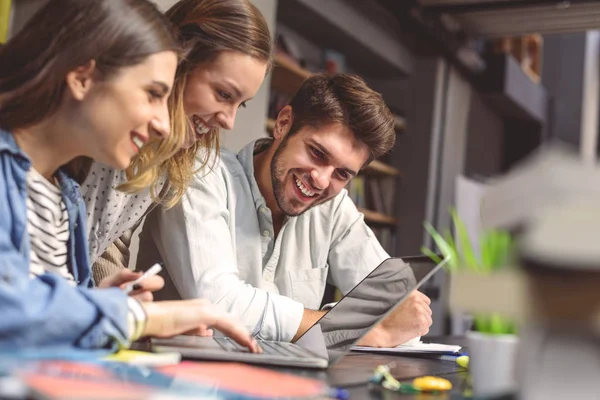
153	270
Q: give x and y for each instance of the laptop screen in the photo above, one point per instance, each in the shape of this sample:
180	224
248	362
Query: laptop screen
373	298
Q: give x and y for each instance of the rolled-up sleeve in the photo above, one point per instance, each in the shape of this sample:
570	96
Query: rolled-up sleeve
48	311
197	246
354	251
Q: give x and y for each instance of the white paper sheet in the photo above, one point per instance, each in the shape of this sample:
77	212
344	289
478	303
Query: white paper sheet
417	348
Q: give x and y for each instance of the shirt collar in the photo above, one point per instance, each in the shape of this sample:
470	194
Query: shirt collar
246	158
68	186
8	144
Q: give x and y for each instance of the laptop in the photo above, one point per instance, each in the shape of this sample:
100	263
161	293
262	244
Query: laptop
346	323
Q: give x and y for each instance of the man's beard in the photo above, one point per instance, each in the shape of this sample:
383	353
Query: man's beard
278	175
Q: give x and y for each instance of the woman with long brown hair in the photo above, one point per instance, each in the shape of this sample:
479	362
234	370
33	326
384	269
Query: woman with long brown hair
228	53
82	79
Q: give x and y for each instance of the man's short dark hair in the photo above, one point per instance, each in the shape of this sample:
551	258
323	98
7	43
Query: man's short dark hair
346	99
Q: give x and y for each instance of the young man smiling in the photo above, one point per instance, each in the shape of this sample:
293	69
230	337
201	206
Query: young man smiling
262	233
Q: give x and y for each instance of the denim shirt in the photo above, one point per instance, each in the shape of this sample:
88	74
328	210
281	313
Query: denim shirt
47	310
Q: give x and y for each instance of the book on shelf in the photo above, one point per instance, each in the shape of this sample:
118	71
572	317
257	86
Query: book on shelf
356	191
375	196
333	61
277	100
381	194
388	194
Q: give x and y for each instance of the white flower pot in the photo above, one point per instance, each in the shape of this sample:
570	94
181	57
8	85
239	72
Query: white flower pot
492	363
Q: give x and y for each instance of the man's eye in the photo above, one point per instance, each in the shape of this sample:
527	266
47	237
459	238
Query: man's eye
318	154
343	175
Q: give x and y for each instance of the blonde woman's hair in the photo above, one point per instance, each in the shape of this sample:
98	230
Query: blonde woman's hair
206	28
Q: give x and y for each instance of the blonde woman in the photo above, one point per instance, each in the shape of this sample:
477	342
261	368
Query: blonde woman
228	53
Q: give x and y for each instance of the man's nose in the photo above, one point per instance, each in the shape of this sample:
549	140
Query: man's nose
321	177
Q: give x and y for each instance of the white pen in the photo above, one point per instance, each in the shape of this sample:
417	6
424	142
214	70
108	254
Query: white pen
153	270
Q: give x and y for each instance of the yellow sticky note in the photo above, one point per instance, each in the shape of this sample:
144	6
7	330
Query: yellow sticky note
4	19
136	357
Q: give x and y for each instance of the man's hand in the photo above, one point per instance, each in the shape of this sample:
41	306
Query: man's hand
125	276
410	319
197	316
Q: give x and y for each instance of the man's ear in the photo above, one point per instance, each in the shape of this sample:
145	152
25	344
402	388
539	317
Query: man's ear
80	80
283	123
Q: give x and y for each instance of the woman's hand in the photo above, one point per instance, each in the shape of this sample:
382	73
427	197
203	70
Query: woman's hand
142	291
197	316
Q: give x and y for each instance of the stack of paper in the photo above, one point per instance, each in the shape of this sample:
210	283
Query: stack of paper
417	348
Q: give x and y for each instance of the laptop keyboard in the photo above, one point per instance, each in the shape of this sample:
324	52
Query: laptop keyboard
272	348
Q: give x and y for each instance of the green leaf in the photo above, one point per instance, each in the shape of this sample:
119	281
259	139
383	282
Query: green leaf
429	253
466	248
445	248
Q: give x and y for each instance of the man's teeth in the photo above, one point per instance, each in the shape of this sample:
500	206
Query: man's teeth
303	189
138	142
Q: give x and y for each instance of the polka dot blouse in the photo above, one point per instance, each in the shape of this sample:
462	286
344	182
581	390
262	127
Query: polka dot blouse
110	212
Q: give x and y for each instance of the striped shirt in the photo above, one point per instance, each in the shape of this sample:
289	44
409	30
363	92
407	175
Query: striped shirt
48	227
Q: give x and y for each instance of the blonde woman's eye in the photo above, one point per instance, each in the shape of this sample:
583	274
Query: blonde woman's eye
224	95
243	104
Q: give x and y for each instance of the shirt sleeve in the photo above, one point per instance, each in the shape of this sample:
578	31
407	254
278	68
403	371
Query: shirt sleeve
354	251
196	244
48	310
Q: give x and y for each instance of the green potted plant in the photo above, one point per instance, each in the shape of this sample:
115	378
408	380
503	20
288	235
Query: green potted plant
481	282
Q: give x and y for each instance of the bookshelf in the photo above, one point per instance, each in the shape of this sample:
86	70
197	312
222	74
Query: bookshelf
288	76
375	217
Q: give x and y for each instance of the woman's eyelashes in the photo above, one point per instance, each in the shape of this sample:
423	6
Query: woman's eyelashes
229	98
224	95
155	95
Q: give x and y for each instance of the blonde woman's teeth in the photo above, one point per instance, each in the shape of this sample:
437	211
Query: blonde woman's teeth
200	126
138	142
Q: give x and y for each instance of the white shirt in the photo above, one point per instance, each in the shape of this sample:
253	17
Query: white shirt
218	243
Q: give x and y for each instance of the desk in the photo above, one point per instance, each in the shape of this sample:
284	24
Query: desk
355	369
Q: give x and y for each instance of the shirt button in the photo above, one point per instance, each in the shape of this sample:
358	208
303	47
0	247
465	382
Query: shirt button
264	210
269	277
266	233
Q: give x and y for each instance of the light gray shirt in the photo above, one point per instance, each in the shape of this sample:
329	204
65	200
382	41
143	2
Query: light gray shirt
218	243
